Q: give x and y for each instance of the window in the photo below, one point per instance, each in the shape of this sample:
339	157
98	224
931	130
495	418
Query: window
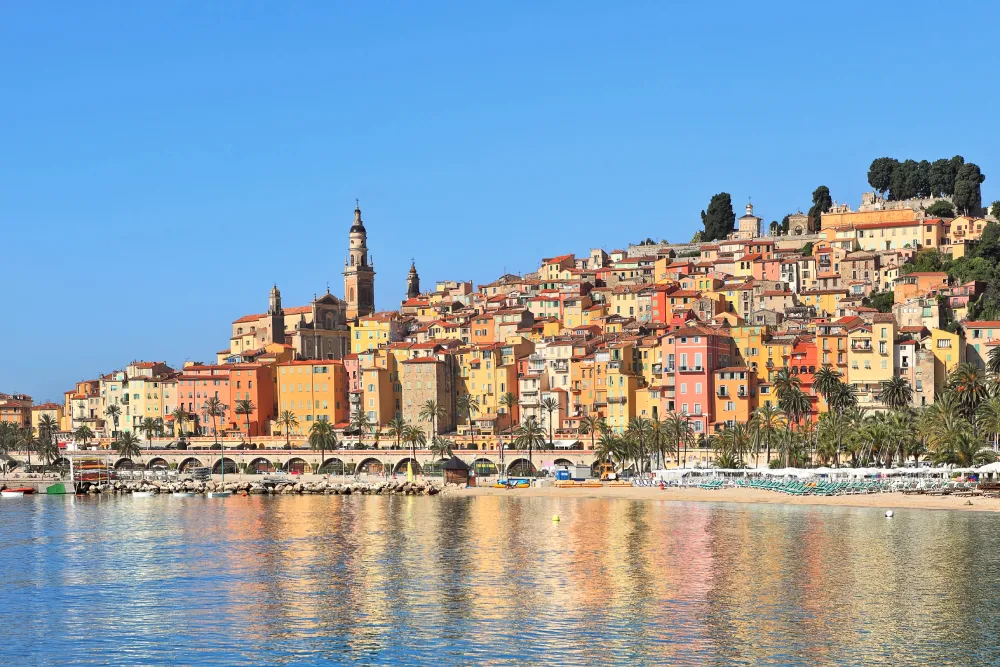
697	387
684	388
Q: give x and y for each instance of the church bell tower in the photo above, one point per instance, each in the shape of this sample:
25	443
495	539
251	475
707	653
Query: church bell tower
359	273
412	282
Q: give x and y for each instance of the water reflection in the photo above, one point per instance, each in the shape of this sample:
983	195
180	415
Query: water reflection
406	580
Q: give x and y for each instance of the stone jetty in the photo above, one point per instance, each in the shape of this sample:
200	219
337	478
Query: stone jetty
387	488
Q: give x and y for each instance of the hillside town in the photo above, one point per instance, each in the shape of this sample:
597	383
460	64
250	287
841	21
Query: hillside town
826	313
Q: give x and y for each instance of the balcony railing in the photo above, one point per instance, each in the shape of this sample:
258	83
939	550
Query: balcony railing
858	346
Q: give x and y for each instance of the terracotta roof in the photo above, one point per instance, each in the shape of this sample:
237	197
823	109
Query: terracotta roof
298	310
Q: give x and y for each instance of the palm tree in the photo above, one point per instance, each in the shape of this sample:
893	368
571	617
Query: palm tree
967	450
360	423
608	447
896	393
216	409
509	401
47	427
529	436
27	441
396	429
826	381
441	448
988	416
246	407
843	397
114	411
148	427
993	360
796	405
640	429
550	405
84	434
48	450
784	382
765	423
128	447
588	424
181	417
681	431
322	437
415	436
287	421
432	411
971	388
467	406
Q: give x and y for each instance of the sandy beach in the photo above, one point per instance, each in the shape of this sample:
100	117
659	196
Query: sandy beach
738	495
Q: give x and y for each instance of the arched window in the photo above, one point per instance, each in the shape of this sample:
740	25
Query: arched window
352	260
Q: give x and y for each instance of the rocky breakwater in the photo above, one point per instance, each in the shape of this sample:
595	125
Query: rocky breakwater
388	488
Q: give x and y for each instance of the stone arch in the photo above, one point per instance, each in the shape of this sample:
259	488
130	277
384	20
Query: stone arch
484	467
371	466
521	468
563	462
190	462
61	462
333	466
296	465
124	464
157	461
261	466
400	467
228	462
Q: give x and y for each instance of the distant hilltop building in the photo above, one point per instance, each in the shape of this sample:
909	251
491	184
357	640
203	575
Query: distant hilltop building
748	225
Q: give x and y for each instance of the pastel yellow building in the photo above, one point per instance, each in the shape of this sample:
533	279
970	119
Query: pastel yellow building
949	351
376	330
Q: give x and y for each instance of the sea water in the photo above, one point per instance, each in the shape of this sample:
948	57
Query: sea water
492	581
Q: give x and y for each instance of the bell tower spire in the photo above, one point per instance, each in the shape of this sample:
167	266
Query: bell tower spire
412	281
359	273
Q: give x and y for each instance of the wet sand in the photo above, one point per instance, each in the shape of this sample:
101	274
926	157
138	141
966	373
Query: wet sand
737	495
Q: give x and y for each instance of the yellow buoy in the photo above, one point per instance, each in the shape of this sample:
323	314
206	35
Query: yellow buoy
555	517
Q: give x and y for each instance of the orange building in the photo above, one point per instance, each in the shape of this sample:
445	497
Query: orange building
313	390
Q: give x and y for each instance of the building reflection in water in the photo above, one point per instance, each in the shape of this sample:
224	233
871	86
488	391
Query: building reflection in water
495	580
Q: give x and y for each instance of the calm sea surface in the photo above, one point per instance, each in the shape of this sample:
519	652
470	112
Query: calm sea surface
494	581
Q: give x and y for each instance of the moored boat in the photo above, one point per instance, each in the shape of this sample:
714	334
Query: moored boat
26	490
219	494
183	494
143	494
12	494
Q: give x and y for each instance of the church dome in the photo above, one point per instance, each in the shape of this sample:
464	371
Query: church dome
358	226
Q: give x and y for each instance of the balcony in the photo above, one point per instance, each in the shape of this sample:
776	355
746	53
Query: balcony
861	346
560	366
657	369
690	369
617	399
614	365
722	393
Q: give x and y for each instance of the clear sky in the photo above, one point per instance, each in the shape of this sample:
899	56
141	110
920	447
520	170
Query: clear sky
162	164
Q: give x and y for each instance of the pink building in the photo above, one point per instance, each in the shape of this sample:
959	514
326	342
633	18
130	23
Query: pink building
691	355
195	385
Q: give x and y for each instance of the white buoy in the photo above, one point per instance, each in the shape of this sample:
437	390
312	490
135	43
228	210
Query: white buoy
888	514
555	517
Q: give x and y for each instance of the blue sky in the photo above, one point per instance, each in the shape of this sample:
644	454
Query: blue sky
163	163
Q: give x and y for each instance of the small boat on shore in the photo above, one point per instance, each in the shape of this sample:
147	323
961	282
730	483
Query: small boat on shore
219	494
12	494
143	494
